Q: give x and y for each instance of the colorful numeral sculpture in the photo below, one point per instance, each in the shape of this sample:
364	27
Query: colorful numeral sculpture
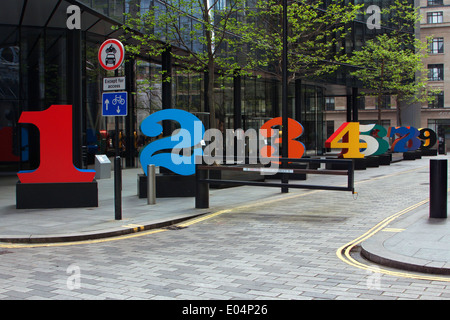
374	135
347	138
406	139
56	159
190	135
428	138
359	141
296	149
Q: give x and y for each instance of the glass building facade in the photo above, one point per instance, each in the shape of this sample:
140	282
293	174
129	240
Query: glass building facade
43	62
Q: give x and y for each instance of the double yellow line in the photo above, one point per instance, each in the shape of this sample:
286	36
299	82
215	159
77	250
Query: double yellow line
344	252
138	229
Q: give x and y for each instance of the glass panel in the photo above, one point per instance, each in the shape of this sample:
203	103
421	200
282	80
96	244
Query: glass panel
101	6
55	75
10	100
149	94
116	9
96	125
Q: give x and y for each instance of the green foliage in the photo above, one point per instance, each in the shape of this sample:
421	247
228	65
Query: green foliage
196	31
315	32
196	28
392	63
387	67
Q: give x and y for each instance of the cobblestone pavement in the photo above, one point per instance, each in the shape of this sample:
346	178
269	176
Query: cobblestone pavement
267	250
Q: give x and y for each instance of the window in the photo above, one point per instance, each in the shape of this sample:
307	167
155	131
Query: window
221	4
435	17
438	101
385	102
436	45
329	103
435	3
435	72
384	123
330	127
361	103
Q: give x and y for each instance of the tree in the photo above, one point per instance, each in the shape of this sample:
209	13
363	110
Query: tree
316	29
195	31
391	63
386	67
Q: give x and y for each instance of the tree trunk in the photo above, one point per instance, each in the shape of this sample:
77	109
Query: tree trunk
380	101
211	68
399	111
380	93
210	94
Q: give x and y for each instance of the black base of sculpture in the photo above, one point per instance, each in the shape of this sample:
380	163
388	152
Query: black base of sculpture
56	195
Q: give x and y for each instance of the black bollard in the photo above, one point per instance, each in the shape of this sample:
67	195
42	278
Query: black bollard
117	189
201	189
438	188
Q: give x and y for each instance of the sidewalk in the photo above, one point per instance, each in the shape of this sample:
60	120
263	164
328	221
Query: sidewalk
77	224
413	242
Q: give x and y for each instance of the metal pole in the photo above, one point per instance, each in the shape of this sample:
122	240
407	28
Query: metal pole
151	184
351	176
201	189
438	188
117	172
116	142
117	189
284	100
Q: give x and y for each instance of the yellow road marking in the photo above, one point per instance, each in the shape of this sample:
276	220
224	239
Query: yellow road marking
343	253
71	243
141	233
392	230
135	227
188	223
203	218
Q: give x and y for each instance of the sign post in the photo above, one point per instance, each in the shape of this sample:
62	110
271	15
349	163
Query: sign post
111	55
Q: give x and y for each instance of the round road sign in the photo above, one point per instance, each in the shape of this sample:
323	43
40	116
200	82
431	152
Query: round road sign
111	54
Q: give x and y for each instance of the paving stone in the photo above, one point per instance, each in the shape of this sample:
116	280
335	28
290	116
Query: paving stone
279	250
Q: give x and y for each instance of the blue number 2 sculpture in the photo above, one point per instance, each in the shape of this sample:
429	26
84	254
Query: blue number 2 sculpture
190	135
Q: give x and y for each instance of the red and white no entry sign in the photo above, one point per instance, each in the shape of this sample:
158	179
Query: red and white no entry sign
111	54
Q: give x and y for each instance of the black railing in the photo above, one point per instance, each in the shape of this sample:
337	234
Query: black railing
202	179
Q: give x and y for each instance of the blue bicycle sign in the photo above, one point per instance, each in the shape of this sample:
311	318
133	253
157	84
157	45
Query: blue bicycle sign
118	100
115	104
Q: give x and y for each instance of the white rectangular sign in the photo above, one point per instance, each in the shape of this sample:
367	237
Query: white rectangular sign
268	170
117	83
102	158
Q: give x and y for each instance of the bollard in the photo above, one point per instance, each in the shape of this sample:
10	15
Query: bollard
151	184
438	189
201	189
117	189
